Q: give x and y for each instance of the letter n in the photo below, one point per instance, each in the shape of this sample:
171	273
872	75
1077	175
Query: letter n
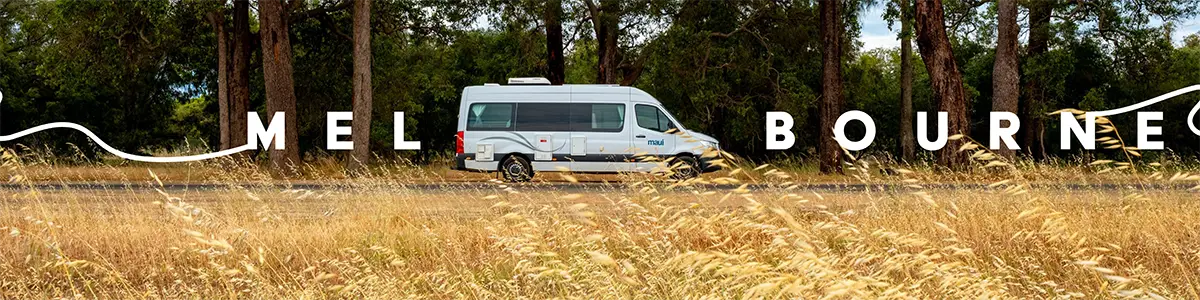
1085	134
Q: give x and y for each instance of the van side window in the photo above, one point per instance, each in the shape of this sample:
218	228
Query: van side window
597	117
490	116
651	118
543	117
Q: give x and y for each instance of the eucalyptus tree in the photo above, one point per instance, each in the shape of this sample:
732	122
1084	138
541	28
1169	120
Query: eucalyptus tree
216	17
901	11
239	77
277	76
944	77
363	92
555	63
830	107
1005	76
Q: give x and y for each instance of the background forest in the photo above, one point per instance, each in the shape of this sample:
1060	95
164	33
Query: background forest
147	75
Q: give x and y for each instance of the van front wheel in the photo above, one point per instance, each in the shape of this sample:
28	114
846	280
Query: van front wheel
516	169
687	168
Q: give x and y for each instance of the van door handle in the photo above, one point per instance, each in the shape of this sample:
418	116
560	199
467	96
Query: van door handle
641	136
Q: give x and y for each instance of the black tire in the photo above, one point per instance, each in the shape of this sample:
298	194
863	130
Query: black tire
516	169
687	168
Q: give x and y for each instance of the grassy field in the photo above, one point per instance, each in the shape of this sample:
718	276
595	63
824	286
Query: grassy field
647	238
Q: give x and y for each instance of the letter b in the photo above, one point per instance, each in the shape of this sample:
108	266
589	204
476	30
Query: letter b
773	131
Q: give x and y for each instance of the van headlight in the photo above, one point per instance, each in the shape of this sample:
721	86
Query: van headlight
713	145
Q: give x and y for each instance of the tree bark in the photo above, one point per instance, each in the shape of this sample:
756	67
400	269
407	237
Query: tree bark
944	78
1033	124
217	19
908	147
828	150
605	20
361	125
1005	76
239	87
277	76
556	69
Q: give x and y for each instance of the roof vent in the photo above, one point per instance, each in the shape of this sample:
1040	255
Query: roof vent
528	81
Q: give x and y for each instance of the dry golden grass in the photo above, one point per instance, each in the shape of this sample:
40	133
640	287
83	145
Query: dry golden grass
40	167
645	239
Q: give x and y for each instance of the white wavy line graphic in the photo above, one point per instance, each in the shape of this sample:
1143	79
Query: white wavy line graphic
1191	115
249	146
119	153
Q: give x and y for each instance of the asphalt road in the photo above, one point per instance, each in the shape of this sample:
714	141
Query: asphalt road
560	186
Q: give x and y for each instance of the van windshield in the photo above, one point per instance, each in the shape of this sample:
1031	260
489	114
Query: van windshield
676	125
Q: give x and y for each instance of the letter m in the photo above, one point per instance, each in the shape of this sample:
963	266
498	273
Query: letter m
255	134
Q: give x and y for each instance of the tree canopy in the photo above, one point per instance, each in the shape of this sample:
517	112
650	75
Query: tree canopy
143	74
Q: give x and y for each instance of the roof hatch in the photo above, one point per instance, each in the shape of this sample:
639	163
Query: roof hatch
528	81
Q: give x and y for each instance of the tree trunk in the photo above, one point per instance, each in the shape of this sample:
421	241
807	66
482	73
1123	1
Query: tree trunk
217	18
1005	77
607	20
1032	122
556	70
943	76
361	125
830	108
239	87
908	147
277	76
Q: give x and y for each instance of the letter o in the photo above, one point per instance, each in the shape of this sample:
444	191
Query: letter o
839	128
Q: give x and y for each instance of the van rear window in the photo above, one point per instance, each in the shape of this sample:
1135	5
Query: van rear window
490	116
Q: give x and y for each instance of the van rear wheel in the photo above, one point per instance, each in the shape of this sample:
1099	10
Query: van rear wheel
516	169
687	168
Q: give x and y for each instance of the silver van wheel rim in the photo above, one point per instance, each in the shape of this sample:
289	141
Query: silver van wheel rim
515	170
687	170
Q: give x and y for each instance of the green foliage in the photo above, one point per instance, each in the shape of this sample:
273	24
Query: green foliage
113	67
425	80
724	85
193	120
1192	41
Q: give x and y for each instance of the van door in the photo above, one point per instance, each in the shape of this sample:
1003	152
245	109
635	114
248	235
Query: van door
650	135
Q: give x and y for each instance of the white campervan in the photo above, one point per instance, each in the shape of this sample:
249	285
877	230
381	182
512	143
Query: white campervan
529	126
